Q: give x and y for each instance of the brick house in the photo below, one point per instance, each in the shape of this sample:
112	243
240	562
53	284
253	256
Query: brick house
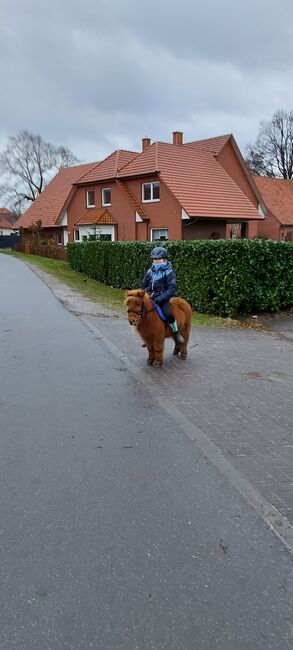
50	208
277	195
7	227
197	190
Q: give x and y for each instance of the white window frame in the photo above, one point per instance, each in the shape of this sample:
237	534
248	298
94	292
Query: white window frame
75	231
151	200
106	189
156	229
59	243
90	205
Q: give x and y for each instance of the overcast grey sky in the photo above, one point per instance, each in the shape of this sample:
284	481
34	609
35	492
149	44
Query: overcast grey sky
97	75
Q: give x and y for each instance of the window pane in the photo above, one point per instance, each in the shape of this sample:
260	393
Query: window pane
90	198
76	235
160	234
106	196
156	191
84	237
147	192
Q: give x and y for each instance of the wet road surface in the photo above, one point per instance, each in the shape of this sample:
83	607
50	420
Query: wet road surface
115	531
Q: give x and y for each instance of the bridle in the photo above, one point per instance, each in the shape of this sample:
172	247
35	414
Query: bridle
142	313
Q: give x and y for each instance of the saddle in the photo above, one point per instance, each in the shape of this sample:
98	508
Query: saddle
160	312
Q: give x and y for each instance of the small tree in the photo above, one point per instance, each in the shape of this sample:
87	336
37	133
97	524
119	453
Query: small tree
27	164
272	153
95	233
35	229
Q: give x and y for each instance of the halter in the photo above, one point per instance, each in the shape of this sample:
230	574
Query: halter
143	312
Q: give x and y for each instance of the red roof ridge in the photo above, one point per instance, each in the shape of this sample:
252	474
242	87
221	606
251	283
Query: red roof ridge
218	138
115	155
93	168
135	157
156	156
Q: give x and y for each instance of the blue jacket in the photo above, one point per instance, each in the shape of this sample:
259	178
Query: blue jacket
160	280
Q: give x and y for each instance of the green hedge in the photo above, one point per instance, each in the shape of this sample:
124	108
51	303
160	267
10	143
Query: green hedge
217	277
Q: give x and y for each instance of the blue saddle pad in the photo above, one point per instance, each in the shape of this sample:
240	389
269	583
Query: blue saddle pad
160	312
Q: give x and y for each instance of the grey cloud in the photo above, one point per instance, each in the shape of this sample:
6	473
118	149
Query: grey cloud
99	75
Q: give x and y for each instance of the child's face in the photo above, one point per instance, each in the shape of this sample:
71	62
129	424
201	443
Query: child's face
159	261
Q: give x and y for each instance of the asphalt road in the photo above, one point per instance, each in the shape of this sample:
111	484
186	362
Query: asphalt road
116	533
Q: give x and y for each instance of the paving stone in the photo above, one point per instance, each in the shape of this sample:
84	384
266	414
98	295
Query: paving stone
236	386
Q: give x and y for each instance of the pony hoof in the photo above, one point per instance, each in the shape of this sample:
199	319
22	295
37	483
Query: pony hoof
158	363
150	362
183	356
176	350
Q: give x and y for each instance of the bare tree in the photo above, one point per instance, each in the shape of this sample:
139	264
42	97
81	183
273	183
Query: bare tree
272	153
26	166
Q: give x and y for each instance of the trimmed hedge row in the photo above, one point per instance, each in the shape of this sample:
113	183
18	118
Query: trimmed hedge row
45	250
218	277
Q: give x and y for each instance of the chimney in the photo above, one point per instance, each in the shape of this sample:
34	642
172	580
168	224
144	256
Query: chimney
145	143
177	137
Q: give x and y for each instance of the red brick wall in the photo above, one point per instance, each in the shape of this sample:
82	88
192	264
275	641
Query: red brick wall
165	213
269	228
231	164
120	208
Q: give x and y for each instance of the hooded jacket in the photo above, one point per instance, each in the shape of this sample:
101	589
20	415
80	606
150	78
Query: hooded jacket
160	282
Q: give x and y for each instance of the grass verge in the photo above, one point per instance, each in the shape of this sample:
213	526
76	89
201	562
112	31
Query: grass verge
101	293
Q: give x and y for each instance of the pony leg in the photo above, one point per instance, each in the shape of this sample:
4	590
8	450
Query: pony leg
159	356
151	357
176	349
183	350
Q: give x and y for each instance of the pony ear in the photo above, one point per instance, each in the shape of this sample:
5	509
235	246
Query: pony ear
140	293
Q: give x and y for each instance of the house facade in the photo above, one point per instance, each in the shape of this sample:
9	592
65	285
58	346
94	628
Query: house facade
197	190
278	198
6	222
46	218
167	191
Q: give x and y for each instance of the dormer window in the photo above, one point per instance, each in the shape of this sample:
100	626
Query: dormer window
150	192
90	199
106	196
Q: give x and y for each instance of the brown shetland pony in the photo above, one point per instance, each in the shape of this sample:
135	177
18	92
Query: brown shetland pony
153	331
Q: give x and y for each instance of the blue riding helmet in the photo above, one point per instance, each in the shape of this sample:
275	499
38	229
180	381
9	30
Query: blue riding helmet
159	253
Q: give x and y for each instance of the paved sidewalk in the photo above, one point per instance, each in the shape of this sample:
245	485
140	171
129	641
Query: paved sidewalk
236	386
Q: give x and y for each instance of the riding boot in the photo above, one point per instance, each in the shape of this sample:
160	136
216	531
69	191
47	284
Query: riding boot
178	337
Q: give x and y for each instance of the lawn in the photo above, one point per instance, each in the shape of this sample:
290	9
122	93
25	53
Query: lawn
101	293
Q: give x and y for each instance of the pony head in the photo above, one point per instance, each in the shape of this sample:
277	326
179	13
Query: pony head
134	300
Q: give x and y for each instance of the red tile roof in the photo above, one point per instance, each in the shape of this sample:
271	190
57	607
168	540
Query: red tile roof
6	212
50	204
4	223
277	194
108	168
197	180
210	144
91	216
